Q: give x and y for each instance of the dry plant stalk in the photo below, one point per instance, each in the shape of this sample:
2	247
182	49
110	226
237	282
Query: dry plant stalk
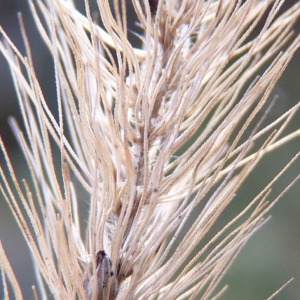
151	134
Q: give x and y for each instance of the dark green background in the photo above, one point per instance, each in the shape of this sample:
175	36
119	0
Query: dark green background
270	258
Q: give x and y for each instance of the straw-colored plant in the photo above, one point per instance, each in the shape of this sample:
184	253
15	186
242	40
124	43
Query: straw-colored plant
152	135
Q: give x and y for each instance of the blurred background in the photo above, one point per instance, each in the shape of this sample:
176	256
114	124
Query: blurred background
269	259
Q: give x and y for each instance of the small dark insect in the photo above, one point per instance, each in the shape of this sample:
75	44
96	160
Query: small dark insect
153	7
104	272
